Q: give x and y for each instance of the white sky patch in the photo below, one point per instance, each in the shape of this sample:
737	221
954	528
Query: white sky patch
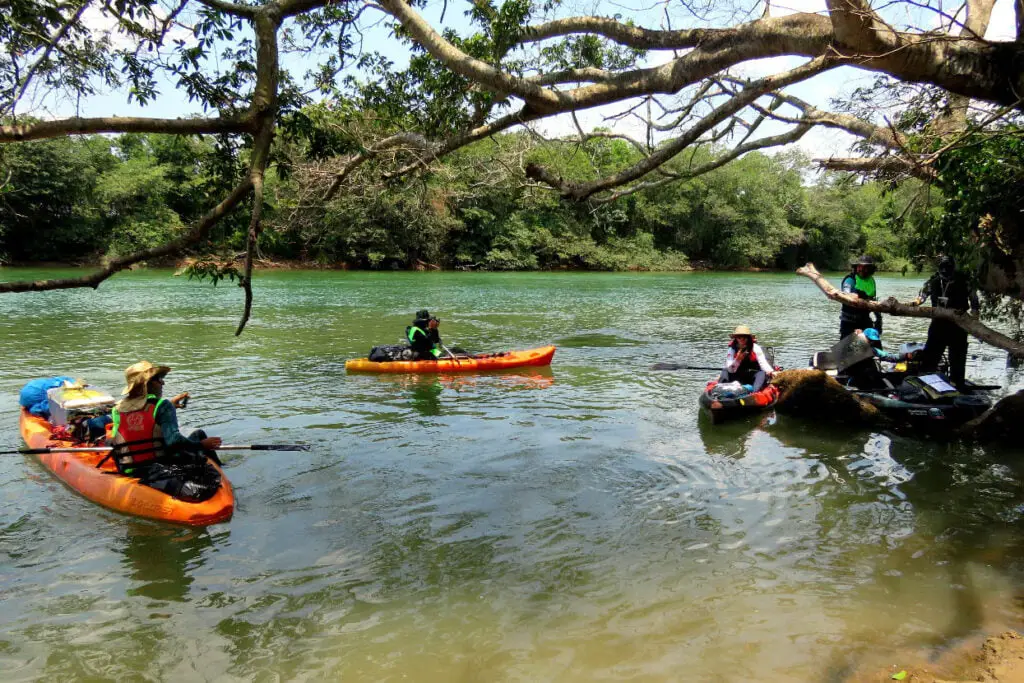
103	23
786	7
1003	25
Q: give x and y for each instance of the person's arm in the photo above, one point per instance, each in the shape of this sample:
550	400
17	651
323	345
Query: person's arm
167	418
886	356
972	297
926	292
762	360
731	363
847	285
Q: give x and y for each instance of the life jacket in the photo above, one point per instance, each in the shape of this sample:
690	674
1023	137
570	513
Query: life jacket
136	437
750	363
864	288
411	331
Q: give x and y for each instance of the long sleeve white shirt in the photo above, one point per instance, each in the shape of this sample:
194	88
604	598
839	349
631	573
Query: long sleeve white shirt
732	364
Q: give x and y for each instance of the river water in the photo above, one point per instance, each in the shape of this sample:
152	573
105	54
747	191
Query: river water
575	524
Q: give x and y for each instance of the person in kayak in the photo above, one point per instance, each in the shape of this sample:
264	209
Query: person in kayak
424	339
860	282
148	444
866	374
948	288
745	361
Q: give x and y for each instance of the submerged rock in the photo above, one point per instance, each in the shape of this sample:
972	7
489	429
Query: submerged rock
1002	422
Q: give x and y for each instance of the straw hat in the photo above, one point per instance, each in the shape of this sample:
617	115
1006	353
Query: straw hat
136	378
742	331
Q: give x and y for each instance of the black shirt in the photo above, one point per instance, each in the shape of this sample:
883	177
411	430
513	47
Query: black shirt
955	292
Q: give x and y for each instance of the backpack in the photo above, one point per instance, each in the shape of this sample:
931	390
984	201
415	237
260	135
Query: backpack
390	352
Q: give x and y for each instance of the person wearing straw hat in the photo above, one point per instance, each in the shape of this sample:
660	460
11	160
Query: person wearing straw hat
746	361
145	435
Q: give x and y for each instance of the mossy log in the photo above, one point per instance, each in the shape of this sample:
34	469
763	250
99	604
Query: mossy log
813	394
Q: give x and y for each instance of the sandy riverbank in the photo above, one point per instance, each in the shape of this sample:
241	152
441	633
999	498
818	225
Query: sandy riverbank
996	659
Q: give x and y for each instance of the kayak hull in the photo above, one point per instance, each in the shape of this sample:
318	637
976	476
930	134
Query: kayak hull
106	487
540	356
931	416
722	409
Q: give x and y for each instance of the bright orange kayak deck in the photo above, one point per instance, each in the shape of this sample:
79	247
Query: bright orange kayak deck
124	494
505	361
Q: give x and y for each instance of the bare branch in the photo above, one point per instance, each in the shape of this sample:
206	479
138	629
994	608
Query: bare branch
892	165
122	124
735	153
581	191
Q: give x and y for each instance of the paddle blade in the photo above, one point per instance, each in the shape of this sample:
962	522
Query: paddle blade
683	366
267	447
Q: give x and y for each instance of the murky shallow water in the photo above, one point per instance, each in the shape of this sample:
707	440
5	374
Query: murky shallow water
575	524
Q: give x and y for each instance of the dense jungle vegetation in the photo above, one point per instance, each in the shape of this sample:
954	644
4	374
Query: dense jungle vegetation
78	199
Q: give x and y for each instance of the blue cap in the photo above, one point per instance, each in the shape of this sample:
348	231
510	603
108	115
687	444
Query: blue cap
872	334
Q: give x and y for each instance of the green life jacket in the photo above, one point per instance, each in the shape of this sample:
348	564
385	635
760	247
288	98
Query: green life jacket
411	333
864	287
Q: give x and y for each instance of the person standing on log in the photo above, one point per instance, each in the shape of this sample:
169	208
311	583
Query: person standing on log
948	288
861	283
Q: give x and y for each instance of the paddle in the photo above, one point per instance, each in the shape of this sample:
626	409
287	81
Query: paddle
683	366
104	449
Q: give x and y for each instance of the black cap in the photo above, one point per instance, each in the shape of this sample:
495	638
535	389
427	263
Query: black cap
947	265
864	260
423	315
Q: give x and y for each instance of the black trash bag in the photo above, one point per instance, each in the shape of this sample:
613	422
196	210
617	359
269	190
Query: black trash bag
910	393
391	353
191	480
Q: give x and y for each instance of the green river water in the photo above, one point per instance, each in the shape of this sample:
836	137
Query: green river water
574	524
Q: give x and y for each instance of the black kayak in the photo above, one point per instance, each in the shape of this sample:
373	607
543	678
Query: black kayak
923	402
929	415
722	408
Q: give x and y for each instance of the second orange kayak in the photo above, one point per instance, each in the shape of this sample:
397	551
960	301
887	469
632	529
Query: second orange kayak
478	363
105	486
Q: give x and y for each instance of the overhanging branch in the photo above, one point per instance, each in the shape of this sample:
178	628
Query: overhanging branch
972	326
122	124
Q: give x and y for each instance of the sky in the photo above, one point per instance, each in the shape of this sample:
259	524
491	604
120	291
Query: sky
819	91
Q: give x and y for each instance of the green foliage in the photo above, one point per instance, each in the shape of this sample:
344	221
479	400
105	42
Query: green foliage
212	269
72	199
982	179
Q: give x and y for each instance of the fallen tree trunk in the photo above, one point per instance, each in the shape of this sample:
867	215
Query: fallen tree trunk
814	395
892	306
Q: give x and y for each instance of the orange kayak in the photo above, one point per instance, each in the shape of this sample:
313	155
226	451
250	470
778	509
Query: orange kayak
124	494
479	363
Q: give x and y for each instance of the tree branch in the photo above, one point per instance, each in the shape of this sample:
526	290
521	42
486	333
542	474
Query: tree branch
895	165
581	191
122	124
972	326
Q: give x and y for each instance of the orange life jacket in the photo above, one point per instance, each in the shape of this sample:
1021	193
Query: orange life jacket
136	437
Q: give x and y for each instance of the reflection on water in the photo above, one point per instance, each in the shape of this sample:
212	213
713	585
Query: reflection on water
160	559
570	523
